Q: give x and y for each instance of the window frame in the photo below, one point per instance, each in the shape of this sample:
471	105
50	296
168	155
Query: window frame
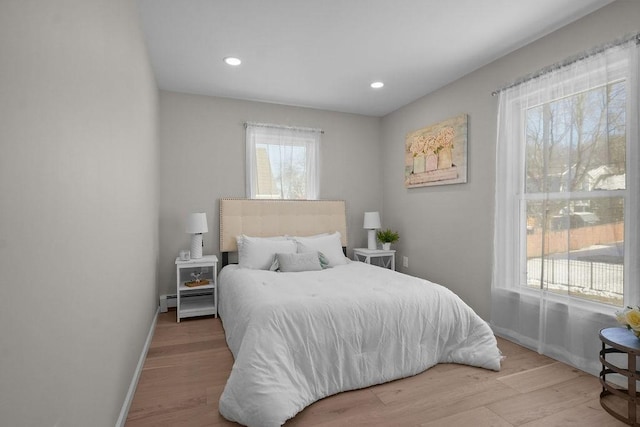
519	106
526	196
284	137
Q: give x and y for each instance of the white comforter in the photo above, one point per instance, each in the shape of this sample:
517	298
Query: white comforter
298	337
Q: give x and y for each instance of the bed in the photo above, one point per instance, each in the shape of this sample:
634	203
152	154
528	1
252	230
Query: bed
302	333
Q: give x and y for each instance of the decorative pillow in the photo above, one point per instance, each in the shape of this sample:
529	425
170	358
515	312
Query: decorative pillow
329	245
324	262
258	253
275	266
308	261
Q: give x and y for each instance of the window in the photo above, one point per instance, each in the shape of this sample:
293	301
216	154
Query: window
566	252
282	162
575	193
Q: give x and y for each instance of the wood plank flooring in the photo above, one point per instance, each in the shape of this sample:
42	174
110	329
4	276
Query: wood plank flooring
188	364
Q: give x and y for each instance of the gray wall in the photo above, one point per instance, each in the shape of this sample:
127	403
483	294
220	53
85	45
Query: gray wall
202	159
447	231
78	209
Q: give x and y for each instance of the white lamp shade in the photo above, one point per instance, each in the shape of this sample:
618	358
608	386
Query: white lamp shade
371	220
197	223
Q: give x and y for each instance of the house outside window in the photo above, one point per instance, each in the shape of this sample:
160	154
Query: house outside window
282	162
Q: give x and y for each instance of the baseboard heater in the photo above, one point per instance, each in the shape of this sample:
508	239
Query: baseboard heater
171	300
167	301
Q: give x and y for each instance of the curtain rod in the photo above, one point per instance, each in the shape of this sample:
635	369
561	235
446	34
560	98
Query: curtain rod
570	60
270	125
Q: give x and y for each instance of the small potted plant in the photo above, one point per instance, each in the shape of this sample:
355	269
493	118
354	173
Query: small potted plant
387	237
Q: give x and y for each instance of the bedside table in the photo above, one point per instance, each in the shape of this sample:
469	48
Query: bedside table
198	300
617	400
387	258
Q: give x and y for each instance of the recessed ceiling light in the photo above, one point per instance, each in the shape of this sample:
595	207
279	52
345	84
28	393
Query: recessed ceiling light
377	85
230	60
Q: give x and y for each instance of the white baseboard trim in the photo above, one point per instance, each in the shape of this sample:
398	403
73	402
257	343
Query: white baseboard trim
122	419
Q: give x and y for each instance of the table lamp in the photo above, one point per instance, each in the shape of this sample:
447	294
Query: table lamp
196	225
371	223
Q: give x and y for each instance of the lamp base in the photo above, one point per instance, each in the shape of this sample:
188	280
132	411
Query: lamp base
196	246
372	240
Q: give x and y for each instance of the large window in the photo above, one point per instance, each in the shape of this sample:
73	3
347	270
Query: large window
282	162
566	233
575	193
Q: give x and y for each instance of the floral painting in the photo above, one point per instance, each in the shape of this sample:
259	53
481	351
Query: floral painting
437	154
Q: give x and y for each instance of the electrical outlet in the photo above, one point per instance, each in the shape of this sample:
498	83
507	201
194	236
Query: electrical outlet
405	261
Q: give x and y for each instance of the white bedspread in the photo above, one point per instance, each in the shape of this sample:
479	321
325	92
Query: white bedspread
299	337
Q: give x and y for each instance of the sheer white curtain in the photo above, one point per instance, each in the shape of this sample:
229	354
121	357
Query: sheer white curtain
566	208
282	162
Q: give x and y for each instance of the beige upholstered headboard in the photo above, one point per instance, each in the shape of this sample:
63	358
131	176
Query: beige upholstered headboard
265	218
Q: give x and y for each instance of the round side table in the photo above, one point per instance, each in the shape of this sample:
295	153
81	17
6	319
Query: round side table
614	399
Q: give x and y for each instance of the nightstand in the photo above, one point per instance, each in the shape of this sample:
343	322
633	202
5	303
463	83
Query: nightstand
386	259
197	300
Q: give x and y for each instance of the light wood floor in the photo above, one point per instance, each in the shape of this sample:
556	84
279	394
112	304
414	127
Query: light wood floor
188	365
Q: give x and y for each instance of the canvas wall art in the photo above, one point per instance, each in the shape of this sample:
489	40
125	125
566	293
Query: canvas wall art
437	154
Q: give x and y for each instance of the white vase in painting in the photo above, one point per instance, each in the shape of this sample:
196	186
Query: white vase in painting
418	164
444	158
431	163
386	246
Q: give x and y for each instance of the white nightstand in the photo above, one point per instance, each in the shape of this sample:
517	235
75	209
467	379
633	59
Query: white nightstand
387	258
198	300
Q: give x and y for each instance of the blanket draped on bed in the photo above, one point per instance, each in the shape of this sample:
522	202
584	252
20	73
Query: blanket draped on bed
299	337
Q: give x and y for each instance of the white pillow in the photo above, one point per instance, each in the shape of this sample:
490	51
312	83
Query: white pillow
239	239
330	246
258	253
308	261
315	236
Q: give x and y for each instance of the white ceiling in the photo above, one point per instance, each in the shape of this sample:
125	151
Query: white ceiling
325	53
